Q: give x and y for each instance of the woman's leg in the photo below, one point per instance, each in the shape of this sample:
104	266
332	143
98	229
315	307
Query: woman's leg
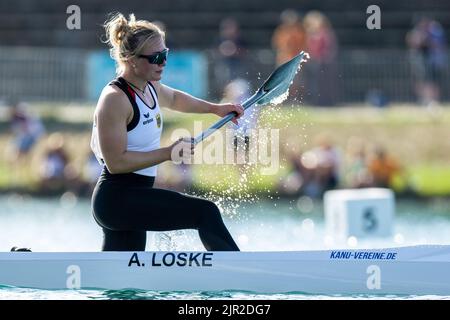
145	208
124	240
170	210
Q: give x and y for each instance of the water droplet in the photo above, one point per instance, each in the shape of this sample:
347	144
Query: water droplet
305	204
352	241
243	239
399	238
68	200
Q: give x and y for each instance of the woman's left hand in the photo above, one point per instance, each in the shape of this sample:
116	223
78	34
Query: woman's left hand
225	108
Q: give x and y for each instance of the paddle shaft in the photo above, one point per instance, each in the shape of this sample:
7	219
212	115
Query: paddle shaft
219	124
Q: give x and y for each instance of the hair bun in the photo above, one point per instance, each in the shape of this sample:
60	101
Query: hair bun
121	31
118	28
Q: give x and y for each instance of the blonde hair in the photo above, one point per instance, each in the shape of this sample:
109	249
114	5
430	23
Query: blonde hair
126	38
314	20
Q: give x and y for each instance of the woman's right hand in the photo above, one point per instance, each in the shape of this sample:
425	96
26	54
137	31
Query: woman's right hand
181	151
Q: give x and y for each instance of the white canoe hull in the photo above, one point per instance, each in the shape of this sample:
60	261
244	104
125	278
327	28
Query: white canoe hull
409	270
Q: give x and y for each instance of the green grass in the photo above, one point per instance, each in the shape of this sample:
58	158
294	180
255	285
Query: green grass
430	180
229	177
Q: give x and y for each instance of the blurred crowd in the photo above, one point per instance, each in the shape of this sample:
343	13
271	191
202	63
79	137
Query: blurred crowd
45	159
54	163
313	34
324	167
319	85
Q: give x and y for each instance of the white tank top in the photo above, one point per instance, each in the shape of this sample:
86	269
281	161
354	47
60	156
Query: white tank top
143	132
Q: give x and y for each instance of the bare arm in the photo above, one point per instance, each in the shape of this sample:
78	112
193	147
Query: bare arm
112	113
184	102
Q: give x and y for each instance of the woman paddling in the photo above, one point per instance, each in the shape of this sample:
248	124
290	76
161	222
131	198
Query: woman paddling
126	138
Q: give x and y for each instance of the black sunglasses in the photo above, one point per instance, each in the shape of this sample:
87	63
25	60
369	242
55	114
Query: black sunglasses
157	58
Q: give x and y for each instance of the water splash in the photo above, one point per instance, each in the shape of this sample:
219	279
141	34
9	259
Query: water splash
280	99
232	193
283	96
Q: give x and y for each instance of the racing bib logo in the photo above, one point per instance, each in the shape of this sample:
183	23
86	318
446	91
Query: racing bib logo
158	120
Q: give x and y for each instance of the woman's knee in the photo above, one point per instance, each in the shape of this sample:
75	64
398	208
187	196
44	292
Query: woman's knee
210	211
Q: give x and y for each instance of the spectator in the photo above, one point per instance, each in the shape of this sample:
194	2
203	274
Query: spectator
231	52
54	164
357	173
383	169
302	178
427	53
288	40
289	37
26	129
321	44
328	163
315	171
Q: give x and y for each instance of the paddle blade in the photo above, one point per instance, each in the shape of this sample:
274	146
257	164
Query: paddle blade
274	90
280	80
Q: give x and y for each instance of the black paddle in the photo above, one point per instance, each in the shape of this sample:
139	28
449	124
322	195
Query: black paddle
277	84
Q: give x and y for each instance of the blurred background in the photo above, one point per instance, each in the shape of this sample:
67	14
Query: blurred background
369	109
